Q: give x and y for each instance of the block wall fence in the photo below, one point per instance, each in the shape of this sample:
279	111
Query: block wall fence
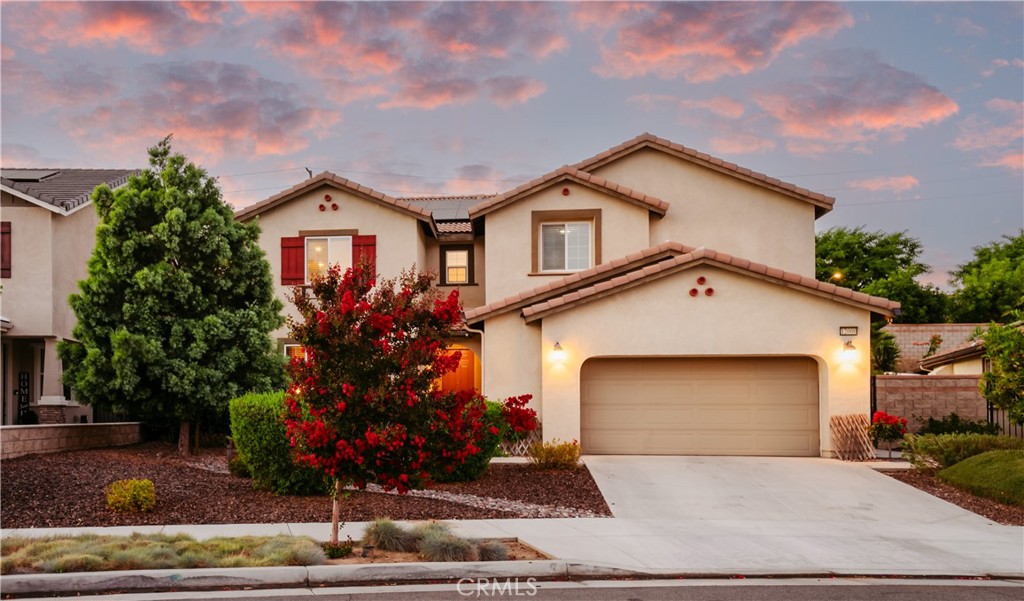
930	396
16	441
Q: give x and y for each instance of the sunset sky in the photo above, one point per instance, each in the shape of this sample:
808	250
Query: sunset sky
910	114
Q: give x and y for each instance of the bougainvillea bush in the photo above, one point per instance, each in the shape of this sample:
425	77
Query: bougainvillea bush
362	407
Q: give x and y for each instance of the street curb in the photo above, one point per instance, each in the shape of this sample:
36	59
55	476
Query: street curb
199	579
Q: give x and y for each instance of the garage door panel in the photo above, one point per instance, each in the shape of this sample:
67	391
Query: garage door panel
721	406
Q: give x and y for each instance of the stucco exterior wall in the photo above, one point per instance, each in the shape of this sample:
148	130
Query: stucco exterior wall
745	317
721	212
512	359
966	367
28	298
624	230
399	245
73	241
919	397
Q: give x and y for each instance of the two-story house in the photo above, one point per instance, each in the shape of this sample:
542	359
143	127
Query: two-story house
652	299
47	233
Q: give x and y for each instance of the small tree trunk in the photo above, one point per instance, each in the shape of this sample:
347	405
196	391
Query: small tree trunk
184	428
335	511
195	435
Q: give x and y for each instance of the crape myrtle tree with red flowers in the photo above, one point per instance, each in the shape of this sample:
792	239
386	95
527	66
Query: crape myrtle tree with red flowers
361	405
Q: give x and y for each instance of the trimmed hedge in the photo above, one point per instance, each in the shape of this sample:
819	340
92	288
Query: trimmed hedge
996	475
938	451
261	438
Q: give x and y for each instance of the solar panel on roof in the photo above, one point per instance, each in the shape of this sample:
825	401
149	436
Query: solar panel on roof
27	175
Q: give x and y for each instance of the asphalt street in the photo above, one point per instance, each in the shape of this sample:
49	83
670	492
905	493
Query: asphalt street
836	589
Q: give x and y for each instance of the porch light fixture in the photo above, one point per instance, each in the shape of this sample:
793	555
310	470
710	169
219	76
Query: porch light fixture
849	354
557	353
848	346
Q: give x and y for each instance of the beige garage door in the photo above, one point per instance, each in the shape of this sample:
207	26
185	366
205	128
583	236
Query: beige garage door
713	406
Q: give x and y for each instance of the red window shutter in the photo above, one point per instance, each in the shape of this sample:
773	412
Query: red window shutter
364	248
5	249
293	258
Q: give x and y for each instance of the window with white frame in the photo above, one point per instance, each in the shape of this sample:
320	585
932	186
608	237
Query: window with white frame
457	265
291	351
566	246
322	252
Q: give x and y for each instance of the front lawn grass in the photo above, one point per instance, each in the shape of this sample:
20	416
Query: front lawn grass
996	475
89	553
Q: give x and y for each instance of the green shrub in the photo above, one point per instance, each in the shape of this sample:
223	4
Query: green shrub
340	550
938	451
996	475
131	495
492	550
954	424
489	444
555	455
439	546
388	536
260	436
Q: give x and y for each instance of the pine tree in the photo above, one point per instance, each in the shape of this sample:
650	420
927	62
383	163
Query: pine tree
174	317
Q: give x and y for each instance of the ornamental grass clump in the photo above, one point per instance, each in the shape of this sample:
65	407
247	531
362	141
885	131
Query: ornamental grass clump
554	455
440	546
131	495
492	550
388	536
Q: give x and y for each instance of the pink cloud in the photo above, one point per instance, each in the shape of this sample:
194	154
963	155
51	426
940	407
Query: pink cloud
965	26
213	109
853	100
741	143
149	27
509	91
33	91
703	41
416	55
1011	160
205	12
1002	128
898	183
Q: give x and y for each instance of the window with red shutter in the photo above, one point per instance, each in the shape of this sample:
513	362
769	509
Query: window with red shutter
364	248
5	249
293	259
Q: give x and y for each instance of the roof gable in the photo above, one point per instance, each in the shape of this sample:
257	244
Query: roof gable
329	179
703	256
823	204
655	205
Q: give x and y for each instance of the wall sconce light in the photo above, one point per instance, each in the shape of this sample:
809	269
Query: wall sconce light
557	353
849	352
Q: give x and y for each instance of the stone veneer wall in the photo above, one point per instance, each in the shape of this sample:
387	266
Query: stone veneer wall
24	440
930	396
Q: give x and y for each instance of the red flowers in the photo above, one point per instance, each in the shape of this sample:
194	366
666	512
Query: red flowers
887	427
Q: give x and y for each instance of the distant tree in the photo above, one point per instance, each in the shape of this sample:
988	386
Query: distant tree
174	317
919	303
880	264
861	258
990	286
1003	385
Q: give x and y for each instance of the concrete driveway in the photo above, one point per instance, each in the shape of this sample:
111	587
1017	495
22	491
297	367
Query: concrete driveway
754	515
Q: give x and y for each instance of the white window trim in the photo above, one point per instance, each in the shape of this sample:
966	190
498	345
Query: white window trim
448	266
565	250
327	239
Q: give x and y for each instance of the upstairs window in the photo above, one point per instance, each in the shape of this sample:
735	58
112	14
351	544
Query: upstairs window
324	252
456	265
566	246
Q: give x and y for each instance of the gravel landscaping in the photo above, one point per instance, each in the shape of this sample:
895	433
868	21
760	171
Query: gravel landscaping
66	490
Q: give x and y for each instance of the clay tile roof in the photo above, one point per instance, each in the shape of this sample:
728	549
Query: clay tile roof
454	227
654	204
702	255
823	204
329	178
59	188
580	278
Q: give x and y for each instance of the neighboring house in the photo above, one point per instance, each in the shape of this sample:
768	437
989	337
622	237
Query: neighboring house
967	359
914	340
652	299
47	233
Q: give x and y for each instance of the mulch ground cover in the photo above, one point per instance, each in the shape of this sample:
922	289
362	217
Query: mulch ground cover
1008	515
66	490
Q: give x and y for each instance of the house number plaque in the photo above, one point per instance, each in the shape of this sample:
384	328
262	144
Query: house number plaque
847	330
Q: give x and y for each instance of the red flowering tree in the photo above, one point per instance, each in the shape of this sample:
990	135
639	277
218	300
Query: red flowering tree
361	406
